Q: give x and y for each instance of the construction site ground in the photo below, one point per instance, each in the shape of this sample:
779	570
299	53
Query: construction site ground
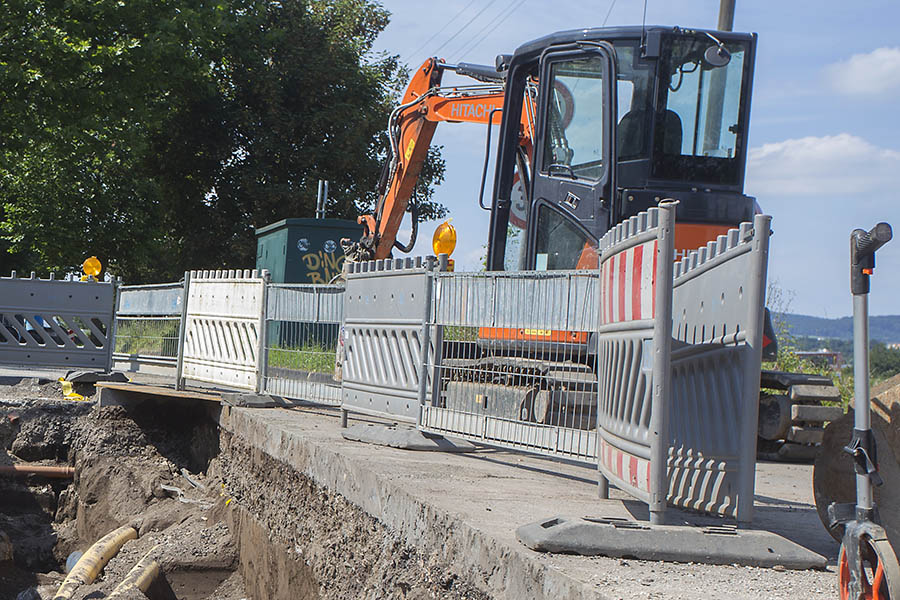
290	509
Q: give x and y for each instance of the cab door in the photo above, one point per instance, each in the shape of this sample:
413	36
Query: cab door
574	175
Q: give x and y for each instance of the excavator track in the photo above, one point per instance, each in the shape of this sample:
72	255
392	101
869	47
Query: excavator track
793	413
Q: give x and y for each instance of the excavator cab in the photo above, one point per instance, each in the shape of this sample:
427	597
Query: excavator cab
624	118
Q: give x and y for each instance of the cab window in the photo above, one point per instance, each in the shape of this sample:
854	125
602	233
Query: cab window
573	145
561	244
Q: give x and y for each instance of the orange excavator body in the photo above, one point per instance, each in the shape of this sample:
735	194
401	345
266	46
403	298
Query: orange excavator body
423	106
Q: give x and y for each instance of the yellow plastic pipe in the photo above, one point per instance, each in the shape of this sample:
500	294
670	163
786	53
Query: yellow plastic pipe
92	562
140	577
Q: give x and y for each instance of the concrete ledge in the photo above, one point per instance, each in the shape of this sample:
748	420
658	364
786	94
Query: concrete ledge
463	510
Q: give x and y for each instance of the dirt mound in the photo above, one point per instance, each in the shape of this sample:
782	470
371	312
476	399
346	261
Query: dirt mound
833	478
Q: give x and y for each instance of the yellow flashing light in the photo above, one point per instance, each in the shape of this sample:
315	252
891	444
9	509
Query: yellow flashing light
92	267
444	240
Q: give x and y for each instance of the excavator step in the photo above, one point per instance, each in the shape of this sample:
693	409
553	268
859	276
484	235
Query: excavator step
815	393
806	435
814	413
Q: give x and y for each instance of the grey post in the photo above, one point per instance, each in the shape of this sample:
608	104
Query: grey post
261	354
756	291
426	338
179	367
113	323
861	419
662	373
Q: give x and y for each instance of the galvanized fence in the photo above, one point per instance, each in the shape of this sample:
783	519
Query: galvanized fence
718	304
148	324
633	355
56	323
512	365
303	324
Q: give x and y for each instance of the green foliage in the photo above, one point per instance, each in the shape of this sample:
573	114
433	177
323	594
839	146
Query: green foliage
157	134
312	357
884	362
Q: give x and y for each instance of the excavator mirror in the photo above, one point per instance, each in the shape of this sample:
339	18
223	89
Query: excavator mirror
717	56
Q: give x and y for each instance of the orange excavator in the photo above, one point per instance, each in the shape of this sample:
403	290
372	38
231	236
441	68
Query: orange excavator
597	125
411	128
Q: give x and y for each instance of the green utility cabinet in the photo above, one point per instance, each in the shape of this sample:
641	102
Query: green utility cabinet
304	250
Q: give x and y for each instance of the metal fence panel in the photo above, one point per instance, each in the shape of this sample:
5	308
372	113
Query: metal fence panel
719	295
303	326
222	332
384	334
633	355
56	323
513	367
148	320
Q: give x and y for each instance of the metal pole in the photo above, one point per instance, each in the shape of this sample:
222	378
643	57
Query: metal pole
182	327
261	354
324	197
426	338
319	200
661	398
726	15
113	323
862	417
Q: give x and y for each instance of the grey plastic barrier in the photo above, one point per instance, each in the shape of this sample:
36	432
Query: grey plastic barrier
56	323
633	356
512	363
148	323
223	333
718	304
386	310
303	324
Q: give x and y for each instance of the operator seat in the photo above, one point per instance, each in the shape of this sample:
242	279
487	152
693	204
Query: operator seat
632	135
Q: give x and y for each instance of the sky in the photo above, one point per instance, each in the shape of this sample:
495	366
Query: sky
824	130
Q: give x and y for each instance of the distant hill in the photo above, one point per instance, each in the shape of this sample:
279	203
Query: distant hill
883	329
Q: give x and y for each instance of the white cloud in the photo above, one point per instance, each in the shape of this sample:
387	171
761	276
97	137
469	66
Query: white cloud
836	165
873	73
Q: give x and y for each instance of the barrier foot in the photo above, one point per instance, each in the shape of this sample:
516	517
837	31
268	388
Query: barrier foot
619	538
405	438
603	488
345	415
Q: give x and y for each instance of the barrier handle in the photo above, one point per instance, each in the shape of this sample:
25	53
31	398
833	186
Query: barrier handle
863	245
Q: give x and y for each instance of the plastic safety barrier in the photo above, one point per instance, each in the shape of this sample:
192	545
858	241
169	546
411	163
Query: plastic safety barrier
223	322
718	306
56	323
384	335
633	355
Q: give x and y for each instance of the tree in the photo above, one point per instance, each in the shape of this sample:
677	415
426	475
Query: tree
158	134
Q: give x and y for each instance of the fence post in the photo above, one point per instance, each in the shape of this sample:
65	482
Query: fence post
113	323
426	337
261	355
182	328
662	358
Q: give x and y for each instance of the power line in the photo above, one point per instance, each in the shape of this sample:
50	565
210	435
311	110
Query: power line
439	31
479	37
464	27
609	12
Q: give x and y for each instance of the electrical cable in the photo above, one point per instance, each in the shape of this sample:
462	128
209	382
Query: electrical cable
609	12
415	52
464	27
469	47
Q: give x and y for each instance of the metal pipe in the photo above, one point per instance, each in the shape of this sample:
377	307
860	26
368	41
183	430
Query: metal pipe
42	470
862	416
726	15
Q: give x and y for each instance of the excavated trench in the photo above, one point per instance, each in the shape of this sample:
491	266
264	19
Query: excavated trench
223	519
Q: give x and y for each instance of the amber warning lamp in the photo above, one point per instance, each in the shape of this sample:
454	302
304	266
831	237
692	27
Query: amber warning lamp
444	240
92	267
